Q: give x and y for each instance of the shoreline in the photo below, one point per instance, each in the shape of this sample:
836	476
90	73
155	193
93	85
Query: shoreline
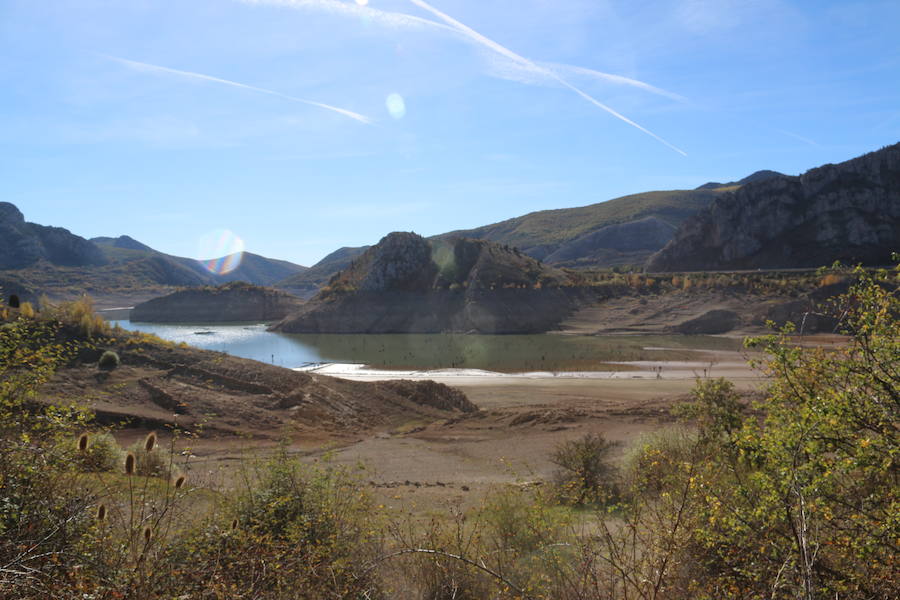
730	366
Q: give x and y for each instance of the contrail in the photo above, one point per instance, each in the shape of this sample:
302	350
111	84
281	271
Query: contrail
797	137
529	65
140	66
403	20
388	18
611	78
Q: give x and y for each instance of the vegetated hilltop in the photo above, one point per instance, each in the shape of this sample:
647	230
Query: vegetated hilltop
620	231
848	212
307	282
235	301
407	284
758	176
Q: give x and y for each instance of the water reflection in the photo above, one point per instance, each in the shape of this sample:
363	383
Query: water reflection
511	353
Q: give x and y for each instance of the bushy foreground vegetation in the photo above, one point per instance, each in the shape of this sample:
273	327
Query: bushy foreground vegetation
793	497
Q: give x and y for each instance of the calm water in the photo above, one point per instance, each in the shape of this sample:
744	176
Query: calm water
430	351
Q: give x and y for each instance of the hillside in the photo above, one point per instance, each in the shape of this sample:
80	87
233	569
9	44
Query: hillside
622	231
753	177
307	282
408	284
236	301
38	259
23	244
848	212
158	384
541	234
253	268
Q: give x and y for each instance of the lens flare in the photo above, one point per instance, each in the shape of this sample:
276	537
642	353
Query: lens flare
226	248
396	106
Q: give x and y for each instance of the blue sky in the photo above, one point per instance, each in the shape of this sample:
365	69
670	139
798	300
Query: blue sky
306	125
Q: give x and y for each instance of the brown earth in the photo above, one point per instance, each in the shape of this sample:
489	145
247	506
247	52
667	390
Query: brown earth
710	312
160	385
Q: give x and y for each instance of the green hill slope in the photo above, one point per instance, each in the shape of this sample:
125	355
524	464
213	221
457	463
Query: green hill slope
541	233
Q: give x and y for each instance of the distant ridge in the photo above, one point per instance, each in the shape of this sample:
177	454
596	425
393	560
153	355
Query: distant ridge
123	241
23	244
541	234
37	259
307	282
752	178
848	212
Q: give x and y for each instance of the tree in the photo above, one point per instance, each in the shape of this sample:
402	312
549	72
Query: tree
803	501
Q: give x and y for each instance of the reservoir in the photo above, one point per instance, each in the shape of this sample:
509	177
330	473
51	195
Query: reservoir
503	353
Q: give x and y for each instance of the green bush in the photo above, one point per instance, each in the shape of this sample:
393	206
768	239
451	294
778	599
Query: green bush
153	462
291	531
109	360
585	474
651	461
102	454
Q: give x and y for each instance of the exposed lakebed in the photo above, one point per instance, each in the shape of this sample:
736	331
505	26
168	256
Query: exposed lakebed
504	353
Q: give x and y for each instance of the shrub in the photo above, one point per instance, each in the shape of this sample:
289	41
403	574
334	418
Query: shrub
101	454
585	474
292	531
653	458
151	461
27	310
109	360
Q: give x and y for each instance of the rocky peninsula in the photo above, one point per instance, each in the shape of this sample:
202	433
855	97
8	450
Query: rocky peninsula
237	301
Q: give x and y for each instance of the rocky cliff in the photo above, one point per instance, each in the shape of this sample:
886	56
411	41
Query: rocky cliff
23	244
230	302
848	212
407	284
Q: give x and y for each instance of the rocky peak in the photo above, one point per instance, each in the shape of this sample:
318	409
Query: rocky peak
10	215
23	244
400	261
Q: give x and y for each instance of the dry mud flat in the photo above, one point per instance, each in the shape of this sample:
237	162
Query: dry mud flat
522	419
423	444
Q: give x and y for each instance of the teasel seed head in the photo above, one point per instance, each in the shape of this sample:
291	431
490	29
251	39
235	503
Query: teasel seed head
83	442
148	533
150	442
234	524
129	463
179	483
101	512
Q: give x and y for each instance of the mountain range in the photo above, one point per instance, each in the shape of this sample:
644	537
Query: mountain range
848	211
40	259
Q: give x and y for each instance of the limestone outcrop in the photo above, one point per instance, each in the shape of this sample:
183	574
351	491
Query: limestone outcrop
407	284
848	212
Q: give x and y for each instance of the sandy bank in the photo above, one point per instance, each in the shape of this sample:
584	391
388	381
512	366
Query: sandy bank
718	364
